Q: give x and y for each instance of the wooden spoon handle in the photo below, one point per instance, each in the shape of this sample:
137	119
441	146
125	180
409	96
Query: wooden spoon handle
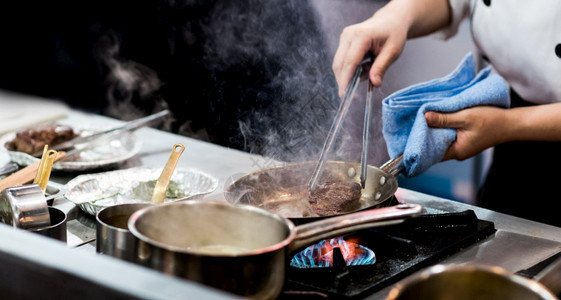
25	175
159	194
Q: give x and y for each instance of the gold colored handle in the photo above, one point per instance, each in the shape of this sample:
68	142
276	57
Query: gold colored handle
159	194
25	175
45	167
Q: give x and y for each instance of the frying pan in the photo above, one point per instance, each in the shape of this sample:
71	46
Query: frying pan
279	189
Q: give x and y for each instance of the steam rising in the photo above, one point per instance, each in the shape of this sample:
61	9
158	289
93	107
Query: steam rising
250	74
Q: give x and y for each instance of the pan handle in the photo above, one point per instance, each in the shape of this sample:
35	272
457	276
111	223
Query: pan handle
316	231
394	166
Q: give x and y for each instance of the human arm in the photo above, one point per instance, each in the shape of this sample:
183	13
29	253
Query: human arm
482	127
384	34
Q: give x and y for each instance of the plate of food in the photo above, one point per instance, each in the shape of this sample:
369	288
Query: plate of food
92	192
22	145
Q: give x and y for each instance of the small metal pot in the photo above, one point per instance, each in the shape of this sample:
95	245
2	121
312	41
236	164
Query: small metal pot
57	229
484	282
241	249
112	235
24	207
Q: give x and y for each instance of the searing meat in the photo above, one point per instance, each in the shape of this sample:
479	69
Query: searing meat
33	140
334	197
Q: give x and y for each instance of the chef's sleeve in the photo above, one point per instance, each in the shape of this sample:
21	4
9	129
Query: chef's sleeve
460	9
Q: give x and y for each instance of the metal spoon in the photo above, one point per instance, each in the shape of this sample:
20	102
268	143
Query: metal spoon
159	194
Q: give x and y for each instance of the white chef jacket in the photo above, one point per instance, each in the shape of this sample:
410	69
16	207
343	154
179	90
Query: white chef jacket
521	39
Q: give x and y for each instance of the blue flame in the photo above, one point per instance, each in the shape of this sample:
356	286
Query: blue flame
320	255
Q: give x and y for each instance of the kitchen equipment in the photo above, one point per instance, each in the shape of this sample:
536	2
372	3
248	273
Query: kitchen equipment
105	155
161	187
8	169
105	136
26	175
400	251
475	281
113	237
92	192
45	167
362	68
24	207
238	248
366	135
279	189
57	227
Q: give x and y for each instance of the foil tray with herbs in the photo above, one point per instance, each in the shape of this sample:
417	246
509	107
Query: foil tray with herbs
92	192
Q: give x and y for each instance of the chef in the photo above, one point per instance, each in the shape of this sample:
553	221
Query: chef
522	41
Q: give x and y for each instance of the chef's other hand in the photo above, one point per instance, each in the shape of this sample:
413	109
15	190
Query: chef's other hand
478	128
383	34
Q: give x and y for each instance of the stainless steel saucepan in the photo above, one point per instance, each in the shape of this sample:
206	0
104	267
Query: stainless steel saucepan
478	281
238	248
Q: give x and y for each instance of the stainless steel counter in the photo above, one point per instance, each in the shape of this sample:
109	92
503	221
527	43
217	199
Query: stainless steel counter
76	270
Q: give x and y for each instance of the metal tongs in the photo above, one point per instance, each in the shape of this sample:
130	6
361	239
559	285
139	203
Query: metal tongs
361	69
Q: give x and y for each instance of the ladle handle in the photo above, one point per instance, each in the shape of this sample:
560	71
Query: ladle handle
159	194
45	167
25	175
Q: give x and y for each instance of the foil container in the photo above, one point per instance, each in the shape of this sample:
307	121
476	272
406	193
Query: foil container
92	192
119	149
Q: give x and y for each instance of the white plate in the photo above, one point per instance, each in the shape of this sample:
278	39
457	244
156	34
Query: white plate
118	150
92	192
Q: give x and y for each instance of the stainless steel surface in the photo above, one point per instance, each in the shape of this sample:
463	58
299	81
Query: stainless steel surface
109	154
550	277
337	123
214	243
366	135
8	169
467	282
281	189
24	207
113	237
517	244
107	135
57	228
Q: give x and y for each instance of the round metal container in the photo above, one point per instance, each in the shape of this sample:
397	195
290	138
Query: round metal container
57	229
24	207
112	235
463	282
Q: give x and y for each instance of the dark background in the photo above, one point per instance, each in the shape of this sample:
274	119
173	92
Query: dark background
252	75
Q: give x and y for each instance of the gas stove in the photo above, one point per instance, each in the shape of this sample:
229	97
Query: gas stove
399	250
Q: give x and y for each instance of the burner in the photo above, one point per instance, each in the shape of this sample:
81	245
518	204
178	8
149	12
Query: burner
328	252
400	250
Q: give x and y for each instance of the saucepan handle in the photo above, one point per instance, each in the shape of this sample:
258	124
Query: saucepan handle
394	166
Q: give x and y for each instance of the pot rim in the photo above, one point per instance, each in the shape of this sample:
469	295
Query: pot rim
291	229
108	208
439	269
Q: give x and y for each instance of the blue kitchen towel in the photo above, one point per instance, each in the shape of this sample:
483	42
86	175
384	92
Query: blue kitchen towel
405	128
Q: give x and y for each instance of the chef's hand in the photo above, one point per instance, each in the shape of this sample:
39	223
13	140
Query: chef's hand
383	34
478	128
